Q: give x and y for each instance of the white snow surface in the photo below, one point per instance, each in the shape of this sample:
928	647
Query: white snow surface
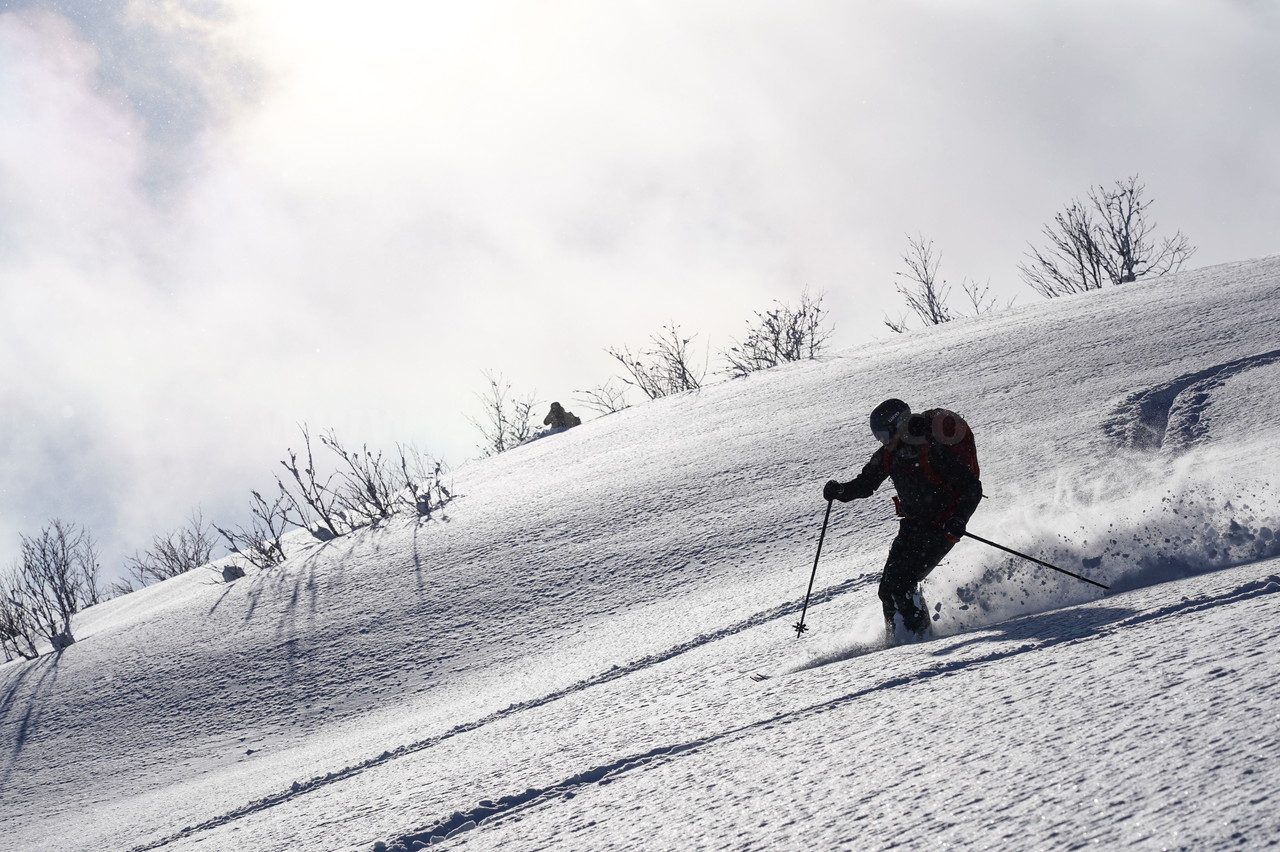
563	661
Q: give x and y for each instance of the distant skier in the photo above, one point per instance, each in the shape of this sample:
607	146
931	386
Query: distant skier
933	463
558	418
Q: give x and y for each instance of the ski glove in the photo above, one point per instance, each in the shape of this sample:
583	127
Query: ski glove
832	491
954	529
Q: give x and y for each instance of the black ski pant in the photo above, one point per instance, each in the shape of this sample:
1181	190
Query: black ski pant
916	551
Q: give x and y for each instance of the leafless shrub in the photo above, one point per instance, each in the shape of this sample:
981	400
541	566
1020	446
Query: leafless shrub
311	496
1106	239
56	578
188	547
261	544
664	369
363	488
361	491
928	297
780	335
424	482
925	295
508	421
605	399
979	300
899	325
367	491
369	488
122	586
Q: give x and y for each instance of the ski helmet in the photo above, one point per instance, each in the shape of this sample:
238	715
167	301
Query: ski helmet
887	418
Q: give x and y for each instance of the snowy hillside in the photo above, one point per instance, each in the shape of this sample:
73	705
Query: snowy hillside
563	662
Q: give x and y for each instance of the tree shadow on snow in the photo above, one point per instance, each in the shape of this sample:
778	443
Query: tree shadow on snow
21	714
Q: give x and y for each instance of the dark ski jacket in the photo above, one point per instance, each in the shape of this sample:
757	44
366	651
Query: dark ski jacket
558	418
933	484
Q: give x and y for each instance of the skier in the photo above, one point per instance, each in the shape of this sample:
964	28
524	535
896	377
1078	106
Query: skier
558	418
933	464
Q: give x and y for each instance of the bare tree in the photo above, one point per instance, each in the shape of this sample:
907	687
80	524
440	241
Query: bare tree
664	369
188	547
979	300
424	482
367	487
777	336
92	591
369	491
56	578
928	297
1129	251
261	544
1072	261
508	420
605	399
314	504
1107	239
925	295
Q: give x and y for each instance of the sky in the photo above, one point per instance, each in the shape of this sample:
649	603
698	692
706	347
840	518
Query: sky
223	218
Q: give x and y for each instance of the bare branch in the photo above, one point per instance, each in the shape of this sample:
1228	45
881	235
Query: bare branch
56	578
898	326
180	551
925	295
780	335
605	399
666	368
262	543
426	488
17	625
1107	240
315	504
508	421
979	300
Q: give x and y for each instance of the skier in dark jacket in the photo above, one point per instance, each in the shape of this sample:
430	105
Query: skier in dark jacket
558	418
937	493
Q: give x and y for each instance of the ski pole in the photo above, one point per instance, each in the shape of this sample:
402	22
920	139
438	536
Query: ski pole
799	625
1033	559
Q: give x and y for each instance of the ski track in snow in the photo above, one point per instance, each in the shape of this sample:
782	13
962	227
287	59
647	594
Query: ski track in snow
502	805
1027	634
303	787
1083	626
1169	415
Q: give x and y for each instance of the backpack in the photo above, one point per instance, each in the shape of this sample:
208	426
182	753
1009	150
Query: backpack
951	431
946	429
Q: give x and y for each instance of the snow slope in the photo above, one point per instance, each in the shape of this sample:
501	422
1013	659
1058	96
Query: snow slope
562	662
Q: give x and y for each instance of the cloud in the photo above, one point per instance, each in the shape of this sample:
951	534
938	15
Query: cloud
172	65
222	218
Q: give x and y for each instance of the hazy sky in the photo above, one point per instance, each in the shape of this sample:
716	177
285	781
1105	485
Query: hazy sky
220	219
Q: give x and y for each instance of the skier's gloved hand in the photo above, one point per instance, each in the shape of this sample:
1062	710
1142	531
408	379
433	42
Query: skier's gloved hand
832	491
954	529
